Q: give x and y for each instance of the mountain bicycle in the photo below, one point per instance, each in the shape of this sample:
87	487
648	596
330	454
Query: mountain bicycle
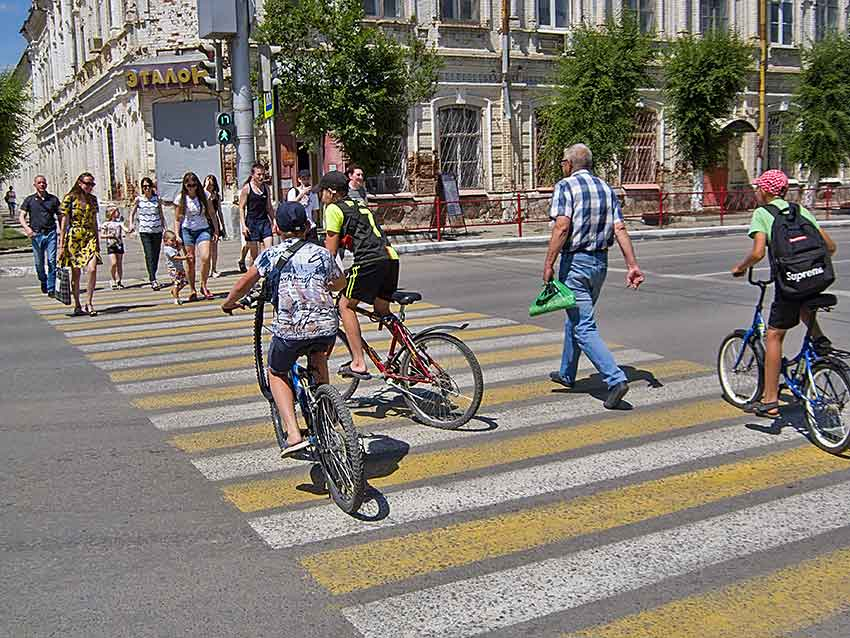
334	440
418	367
820	383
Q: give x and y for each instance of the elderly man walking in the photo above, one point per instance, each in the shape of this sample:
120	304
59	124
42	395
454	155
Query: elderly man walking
587	219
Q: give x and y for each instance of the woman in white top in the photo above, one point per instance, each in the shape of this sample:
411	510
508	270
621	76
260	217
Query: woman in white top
151	224
195	226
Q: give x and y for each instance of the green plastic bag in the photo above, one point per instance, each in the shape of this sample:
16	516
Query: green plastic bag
554	296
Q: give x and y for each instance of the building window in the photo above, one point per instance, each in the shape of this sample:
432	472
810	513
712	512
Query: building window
639	161
459	10
713	16
775	143
553	13
645	10
391	178
826	18
460	144
782	22
382	8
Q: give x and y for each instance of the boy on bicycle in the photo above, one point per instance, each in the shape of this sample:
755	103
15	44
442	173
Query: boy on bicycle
785	313
306	316
374	275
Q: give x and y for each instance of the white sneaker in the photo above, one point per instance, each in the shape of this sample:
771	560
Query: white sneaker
113	285
215	274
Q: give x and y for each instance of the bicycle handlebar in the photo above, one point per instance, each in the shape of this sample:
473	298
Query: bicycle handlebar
757	282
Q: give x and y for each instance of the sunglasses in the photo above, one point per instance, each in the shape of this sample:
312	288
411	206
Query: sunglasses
192	184
147	185
87	183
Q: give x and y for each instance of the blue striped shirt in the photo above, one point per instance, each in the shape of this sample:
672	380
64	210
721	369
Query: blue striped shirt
592	207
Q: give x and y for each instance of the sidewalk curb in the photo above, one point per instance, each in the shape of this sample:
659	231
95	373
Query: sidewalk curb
542	240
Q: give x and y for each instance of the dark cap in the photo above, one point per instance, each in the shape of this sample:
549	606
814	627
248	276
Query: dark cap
304	172
335	181
291	217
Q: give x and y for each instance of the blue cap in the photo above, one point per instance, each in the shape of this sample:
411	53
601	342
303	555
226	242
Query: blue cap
291	217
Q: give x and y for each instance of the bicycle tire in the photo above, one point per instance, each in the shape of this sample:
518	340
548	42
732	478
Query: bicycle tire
259	349
346	386
835	438
752	362
451	420
342	436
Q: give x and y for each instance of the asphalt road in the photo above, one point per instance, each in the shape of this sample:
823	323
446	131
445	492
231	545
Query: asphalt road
141	495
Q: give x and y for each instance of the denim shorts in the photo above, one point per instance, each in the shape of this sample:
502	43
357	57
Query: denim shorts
192	237
258	229
284	352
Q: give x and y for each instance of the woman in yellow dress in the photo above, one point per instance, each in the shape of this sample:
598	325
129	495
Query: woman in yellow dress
79	246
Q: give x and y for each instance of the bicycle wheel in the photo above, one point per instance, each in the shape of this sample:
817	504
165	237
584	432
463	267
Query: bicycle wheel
827	395
262	338
340	453
447	400
346	385
740	368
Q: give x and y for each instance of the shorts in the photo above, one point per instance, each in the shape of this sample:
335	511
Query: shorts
178	277
285	352
785	313
258	229
192	237
115	249
377	279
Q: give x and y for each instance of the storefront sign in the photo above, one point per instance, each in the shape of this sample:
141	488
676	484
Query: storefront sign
164	75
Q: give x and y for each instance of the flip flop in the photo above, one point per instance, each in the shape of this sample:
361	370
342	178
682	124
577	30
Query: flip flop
91	312
78	312
346	371
291	449
207	294
764	410
193	297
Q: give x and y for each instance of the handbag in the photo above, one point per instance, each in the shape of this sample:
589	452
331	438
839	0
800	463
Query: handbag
555	295
63	288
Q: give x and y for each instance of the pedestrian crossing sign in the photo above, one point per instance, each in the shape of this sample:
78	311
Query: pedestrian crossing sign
268	105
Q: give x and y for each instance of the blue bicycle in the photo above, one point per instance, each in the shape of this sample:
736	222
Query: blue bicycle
820	383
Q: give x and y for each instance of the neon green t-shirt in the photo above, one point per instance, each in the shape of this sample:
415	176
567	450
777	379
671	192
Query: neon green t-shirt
762	221
334	218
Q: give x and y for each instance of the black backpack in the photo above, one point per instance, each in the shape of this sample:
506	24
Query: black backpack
799	259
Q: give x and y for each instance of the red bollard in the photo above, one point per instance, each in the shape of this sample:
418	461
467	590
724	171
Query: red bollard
437	207
660	208
519	214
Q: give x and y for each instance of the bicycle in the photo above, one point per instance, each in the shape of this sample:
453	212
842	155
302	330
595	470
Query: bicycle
435	396
334	440
821	383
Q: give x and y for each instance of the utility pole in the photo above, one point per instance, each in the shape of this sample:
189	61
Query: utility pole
243	108
762	84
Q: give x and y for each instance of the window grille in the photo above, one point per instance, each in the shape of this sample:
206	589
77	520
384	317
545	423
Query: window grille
776	157
639	161
460	144
393	177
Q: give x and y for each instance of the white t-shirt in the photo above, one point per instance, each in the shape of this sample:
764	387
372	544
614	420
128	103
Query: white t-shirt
308	199
195	217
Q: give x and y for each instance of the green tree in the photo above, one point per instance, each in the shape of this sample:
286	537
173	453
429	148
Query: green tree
596	100
13	123
820	119
702	79
346	79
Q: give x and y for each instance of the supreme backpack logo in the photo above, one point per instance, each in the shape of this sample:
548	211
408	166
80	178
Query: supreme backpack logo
799	259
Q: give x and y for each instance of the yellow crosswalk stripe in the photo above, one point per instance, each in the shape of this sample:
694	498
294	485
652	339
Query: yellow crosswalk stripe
778	604
246	325
248	434
264	494
403	557
244	362
130	320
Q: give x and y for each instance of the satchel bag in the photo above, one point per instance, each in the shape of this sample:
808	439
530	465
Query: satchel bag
555	295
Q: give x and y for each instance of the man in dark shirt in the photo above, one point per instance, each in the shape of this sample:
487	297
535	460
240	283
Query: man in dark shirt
43	211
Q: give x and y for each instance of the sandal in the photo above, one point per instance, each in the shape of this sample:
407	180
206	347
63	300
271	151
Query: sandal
290	449
207	294
78	312
763	410
346	371
193	297
90	311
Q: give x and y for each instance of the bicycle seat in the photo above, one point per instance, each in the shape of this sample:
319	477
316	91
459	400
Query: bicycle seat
403	297
821	302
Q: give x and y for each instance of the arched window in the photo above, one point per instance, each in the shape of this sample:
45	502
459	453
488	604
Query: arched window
639	162
460	144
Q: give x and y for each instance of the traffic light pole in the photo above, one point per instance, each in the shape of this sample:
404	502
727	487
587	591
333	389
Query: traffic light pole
243	109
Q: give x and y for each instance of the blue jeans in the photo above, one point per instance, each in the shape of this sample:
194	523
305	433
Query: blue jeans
585	273
44	246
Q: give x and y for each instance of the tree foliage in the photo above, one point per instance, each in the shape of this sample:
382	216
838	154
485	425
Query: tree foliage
820	120
597	97
703	76
13	123
344	78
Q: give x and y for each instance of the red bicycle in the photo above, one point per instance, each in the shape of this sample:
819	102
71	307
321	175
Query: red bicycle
436	373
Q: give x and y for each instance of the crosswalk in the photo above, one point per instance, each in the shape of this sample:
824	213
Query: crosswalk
544	505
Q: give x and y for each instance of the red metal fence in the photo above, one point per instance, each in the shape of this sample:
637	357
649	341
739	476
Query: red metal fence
652	207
